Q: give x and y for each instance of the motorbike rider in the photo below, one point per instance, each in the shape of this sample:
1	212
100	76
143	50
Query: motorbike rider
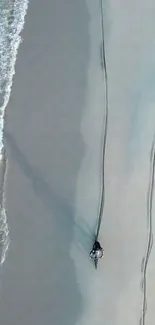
97	251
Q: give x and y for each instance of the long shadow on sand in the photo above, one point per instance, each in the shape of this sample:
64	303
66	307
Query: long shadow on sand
60	208
45	149
40	284
62	217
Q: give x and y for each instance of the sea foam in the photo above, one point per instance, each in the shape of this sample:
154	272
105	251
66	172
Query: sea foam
12	18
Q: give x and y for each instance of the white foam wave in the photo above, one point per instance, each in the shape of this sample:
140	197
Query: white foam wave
11	25
12	18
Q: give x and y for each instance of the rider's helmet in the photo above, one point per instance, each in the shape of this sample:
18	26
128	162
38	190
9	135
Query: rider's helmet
97	251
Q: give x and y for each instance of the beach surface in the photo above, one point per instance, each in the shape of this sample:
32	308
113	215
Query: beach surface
53	136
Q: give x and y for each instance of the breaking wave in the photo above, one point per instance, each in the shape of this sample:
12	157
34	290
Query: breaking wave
12	16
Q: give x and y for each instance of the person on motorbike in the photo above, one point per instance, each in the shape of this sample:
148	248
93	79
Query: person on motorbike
97	251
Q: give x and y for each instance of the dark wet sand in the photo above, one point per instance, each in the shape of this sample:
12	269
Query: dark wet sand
45	150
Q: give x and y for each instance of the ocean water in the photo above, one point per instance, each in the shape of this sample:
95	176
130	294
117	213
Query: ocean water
12	15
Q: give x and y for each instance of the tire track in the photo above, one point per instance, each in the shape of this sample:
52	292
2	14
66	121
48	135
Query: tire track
150	233
104	69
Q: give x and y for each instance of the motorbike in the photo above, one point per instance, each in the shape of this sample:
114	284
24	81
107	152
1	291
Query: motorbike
96	253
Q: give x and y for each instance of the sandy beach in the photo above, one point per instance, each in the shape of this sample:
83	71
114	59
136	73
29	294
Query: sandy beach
53	138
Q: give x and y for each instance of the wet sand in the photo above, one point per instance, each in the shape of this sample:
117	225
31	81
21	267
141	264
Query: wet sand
118	293
53	137
45	148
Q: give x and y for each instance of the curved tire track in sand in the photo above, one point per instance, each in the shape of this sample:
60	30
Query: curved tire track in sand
150	233
105	76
